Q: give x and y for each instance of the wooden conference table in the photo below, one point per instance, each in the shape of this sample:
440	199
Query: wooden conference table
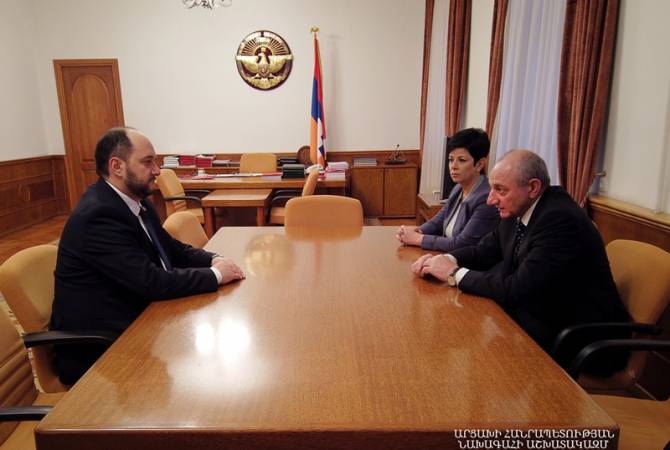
330	343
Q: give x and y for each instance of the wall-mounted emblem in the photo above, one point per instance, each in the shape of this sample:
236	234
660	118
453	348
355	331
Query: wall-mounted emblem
264	60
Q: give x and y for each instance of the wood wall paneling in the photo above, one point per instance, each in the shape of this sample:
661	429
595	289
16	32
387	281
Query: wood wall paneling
620	220
31	191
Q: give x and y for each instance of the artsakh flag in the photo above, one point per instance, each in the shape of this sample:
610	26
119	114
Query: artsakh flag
317	149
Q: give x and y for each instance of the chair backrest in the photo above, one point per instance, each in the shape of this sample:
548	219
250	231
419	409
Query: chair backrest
185	227
27	283
310	183
642	275
258	162
169	185
303	155
327	211
16	377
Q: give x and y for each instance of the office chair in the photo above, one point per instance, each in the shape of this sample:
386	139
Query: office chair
185	227
27	283
325	211
303	155
277	210
642	275
258	162
175	197
19	399
644	424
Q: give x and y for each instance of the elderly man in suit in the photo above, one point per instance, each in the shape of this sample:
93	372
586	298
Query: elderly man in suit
545	262
114	257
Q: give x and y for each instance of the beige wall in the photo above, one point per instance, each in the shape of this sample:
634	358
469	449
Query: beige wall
21	124
638	143
181	87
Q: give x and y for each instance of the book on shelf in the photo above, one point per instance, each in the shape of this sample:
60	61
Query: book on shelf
171	161
365	162
335	176
187	160
337	166
203	161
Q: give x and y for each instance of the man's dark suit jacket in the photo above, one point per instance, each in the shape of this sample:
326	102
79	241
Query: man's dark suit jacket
108	271
561	276
475	220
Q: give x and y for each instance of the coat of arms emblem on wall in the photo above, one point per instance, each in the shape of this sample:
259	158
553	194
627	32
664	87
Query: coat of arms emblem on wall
264	60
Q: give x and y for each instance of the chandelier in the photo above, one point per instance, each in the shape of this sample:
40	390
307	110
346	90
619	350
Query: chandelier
208	4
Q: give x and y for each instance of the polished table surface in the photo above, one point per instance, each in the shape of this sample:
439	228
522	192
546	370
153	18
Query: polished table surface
263	182
330	342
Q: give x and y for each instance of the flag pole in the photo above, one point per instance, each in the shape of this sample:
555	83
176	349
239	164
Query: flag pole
314	127
318	121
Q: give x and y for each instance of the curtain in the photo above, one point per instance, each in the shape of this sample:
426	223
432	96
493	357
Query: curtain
458	49
427	33
495	63
432	160
530	78
589	40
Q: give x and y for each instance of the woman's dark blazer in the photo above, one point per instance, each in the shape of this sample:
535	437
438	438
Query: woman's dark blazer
475	220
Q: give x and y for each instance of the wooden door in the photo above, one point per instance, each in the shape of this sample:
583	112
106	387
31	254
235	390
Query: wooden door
89	96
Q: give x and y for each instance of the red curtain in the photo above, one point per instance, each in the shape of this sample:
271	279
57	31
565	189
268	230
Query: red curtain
495	63
427	36
589	39
458	50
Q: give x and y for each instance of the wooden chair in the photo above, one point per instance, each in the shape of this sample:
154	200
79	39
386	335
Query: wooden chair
643	424
258	162
27	283
175	197
21	406
277	210
326	211
642	275
185	227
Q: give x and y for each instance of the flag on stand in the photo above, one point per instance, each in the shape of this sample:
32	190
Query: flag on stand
317	145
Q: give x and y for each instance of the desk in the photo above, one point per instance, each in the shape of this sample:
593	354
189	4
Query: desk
330	343
235	198
262	182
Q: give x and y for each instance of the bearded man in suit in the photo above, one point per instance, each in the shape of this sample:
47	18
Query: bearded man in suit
114	257
545	262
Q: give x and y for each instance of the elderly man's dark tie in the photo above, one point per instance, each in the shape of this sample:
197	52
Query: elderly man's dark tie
518	237
154	238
